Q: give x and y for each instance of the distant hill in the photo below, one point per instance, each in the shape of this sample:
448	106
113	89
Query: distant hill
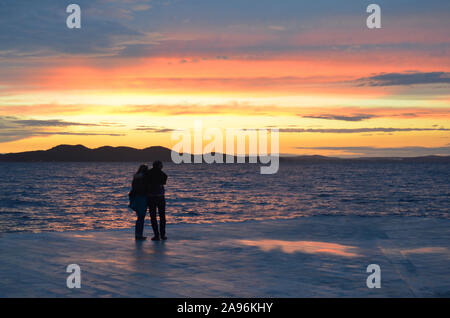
84	154
80	153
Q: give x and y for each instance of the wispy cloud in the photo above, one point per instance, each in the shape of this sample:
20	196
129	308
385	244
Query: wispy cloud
45	123
245	109
13	128
356	130
151	129
356	117
348	114
394	79
37	28
111	24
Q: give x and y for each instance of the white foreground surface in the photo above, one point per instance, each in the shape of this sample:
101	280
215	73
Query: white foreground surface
323	256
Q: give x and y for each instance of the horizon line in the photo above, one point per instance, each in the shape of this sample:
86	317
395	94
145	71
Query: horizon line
281	155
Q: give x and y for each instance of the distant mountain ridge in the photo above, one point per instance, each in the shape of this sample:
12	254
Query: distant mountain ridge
83	154
80	153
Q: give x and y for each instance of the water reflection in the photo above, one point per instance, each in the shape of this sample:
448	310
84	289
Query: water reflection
78	196
83	236
309	247
427	250
143	250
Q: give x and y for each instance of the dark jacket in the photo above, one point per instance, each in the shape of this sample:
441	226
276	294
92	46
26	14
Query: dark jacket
155	179
139	185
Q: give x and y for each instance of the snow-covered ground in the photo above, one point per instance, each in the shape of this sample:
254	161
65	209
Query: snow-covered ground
323	256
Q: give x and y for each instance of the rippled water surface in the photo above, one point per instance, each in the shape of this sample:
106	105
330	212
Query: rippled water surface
78	196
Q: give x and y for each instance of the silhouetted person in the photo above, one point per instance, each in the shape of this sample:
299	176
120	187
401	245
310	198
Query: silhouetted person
138	200
156	179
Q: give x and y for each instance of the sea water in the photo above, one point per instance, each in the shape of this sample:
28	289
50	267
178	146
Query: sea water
85	196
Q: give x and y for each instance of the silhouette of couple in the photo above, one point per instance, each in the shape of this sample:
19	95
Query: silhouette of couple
147	190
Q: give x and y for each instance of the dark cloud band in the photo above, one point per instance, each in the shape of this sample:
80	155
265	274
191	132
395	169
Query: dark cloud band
394	79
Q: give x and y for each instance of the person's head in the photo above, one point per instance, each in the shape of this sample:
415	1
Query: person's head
157	164
142	169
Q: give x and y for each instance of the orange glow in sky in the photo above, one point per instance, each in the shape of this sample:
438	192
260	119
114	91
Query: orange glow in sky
325	83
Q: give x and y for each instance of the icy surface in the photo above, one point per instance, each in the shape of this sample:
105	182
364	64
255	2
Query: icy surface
320	256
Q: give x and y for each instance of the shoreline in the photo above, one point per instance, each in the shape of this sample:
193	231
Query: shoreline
314	256
148	225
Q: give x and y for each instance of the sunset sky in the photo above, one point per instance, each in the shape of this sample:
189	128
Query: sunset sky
136	70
